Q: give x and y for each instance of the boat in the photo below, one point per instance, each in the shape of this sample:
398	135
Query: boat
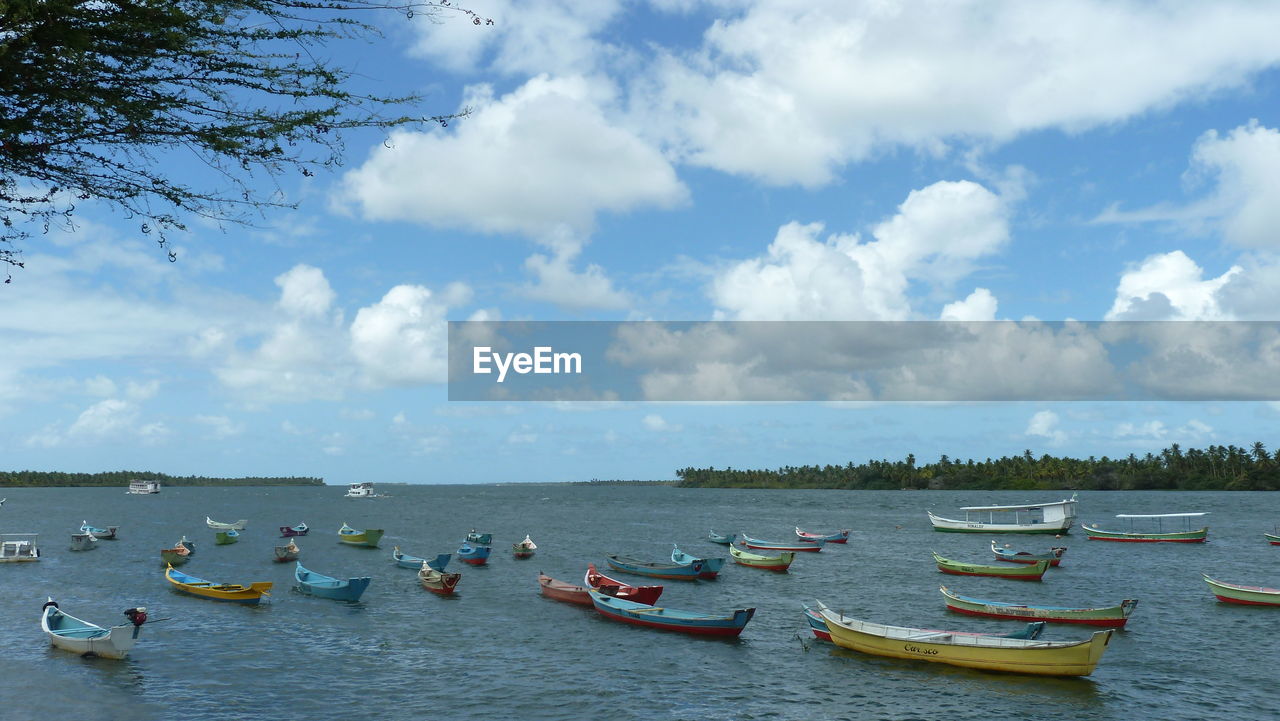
819	627
19	547
83	541
237	526
87	639
1273	538
780	562
1030	572
476	555
143	488
438	581
291	531
710	566
286	553
561	591
484	539
233	592
841	536
318	584
799	546
670	619
102	534
1107	616
656	569
1054	556
224	538
524	549
990	653
1056	518
1187	535
361	490
369	537
722	540
406	561
190	545
175	556
613	587
1246	595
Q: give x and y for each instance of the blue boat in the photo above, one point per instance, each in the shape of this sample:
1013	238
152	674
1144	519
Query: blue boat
476	555
710	566
483	539
324	586
670	619
656	569
722	540
102	534
811	546
404	560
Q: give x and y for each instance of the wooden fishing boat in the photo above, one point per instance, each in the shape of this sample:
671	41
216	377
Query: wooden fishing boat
1187	535
406	561
19	547
227	537
819	627
484	539
237	526
291	531
286	553
1246	595
799	546
438	581
102	534
233	592
1056	518
780	562
83	541
722	540
841	536
87	639
561	591
670	619
318	584
1107	617
655	569
1273	539
1054	556
175	556
1030	572
473	554
523	549
990	653
710	566
613	587
189	545
368	538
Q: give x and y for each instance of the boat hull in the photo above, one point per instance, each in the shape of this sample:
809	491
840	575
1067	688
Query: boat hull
473	555
292	531
1054	556
671	571
368	538
710	566
175	558
800	547
225	538
639	614
779	563
438	582
1105	617
613	587
1032	572
317	584
80	637
561	591
1243	595
837	537
215	525
439	563
1097	534
228	592
717	538
1272	539
952	525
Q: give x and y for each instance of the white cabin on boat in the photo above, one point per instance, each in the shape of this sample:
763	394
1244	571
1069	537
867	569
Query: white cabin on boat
361	490
1056	517
142	488
18	547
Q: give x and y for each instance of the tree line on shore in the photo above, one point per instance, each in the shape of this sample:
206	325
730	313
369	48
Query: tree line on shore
1230	468
122	479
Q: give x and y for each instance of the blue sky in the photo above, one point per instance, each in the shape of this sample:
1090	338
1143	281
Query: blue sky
681	160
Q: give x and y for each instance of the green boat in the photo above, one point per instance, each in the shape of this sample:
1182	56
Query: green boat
1028	572
225	537
368	537
1157	535
1109	616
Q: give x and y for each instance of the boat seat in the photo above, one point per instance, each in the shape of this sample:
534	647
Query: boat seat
81	633
940	636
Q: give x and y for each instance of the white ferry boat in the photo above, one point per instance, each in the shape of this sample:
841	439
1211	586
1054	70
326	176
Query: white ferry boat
362	490
1056	518
142	488
18	547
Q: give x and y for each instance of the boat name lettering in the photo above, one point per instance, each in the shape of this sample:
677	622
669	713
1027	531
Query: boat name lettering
917	649
543	360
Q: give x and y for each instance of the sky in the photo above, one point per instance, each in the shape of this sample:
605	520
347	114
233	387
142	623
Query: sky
680	160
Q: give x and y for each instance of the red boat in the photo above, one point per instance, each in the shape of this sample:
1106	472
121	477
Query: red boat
613	587
561	591
841	536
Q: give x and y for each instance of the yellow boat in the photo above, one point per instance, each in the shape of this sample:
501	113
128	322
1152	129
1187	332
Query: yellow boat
232	592
990	653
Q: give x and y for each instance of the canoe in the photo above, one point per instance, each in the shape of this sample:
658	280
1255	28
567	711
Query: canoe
1055	518
1272	539
224	538
406	561
1246	595
819	627
237	526
233	592
613	587
318	584
78	636
286	553
671	619
175	556
102	534
1054	556
722	540
710	566
799	546
291	531
1186	535
990	653
780	562
484	539
83	541
475	555
1031	572
841	536
655	569
1107	617
190	546
524	549
561	591
368	538
438	581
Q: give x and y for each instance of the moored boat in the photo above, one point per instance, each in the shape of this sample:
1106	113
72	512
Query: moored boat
484	539
291	531
780	562
143	488
217	526
19	547
362	490
1273	539
223	538
439	582
1159	535
1031	572
1106	616
1057	517
799	546
524	549
286	553
841	536
404	560
175	556
561	591
473	554
102	534
1245	595
232	592
613	587
818	626
990	653
1054	556
368	537
655	569
189	545
710	566
722	540
83	541
670	619
338	589
87	639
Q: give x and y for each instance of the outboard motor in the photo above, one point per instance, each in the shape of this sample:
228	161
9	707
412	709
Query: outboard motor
137	616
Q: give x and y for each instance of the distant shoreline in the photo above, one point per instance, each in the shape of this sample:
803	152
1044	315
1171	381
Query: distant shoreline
121	479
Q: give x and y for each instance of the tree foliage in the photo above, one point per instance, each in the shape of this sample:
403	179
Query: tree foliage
122	479
94	93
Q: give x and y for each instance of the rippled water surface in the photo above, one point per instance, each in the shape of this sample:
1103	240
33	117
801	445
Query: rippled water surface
500	651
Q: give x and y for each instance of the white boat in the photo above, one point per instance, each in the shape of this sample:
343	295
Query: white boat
83	541
72	634
142	488
1056	517
361	490
237	526
18	547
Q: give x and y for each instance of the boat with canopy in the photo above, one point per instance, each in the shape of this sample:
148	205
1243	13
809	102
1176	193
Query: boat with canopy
1186	535
1055	518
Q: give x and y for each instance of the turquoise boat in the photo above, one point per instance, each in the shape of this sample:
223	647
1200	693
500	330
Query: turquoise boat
722	540
404	560
670	619
710	566
318	584
656	569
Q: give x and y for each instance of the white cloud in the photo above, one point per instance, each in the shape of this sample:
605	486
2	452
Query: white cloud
978	305
1044	424
304	291
220	426
112	420
403	338
1169	286
657	423
100	386
557	282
